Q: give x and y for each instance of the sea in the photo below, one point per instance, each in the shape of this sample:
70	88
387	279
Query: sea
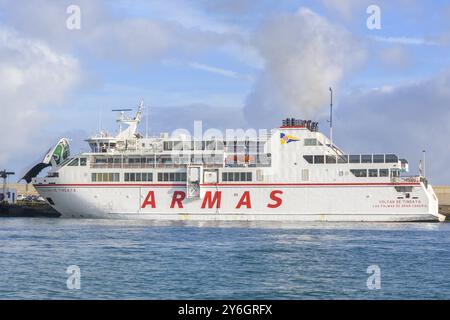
44	258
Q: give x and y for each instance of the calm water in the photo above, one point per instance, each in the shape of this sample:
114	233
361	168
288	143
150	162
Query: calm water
144	260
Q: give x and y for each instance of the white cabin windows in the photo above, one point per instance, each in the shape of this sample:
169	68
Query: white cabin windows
342	159
319	159
236	176
378	158
73	163
309	159
105	177
391	158
310	142
138	176
403	188
330	159
395	173
373	173
359	173
168	145
353	158
171	176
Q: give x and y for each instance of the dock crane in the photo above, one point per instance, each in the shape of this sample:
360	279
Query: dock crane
4	175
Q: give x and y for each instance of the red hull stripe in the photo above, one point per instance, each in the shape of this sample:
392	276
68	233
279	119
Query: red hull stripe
308	184
111	185
227	184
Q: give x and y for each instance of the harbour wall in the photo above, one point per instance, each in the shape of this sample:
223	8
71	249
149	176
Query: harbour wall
443	194
23	189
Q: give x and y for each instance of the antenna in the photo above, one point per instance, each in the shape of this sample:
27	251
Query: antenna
100	120
424	157
146	123
331	117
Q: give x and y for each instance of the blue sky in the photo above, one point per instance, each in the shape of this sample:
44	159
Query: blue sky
230	63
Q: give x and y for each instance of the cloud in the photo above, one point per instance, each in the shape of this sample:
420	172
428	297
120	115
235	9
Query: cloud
164	30
346	9
404	120
304	55
133	41
406	40
33	77
395	58
220	71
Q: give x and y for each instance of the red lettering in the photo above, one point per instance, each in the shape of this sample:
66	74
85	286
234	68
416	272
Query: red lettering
212	200
245	201
274	197
177	198
149	200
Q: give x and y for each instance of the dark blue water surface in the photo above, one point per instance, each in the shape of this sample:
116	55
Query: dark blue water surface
148	260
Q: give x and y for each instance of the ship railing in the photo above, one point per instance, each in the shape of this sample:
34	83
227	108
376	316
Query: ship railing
173	165
148	165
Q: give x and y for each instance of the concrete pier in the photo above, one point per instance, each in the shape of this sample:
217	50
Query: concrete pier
443	194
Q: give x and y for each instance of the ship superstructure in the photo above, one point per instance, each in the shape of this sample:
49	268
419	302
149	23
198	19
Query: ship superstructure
291	173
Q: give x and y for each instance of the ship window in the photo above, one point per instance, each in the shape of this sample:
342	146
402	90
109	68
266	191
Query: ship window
319	159
404	188
132	176
105	177
395	173
378	158
373	173
74	163
138	176
171	176
342	159
309	159
168	145
65	162
83	162
360	173
94	177
127	176
237	176
391	158
384	172
310	142
355	158
366	158
331	159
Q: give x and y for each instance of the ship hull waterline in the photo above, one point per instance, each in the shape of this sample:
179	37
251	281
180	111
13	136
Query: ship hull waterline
334	204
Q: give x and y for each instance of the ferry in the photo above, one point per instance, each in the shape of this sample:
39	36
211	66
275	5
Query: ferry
290	173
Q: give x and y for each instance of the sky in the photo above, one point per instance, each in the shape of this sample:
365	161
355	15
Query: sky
231	64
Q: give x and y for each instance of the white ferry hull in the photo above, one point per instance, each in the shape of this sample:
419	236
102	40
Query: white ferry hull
336	202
